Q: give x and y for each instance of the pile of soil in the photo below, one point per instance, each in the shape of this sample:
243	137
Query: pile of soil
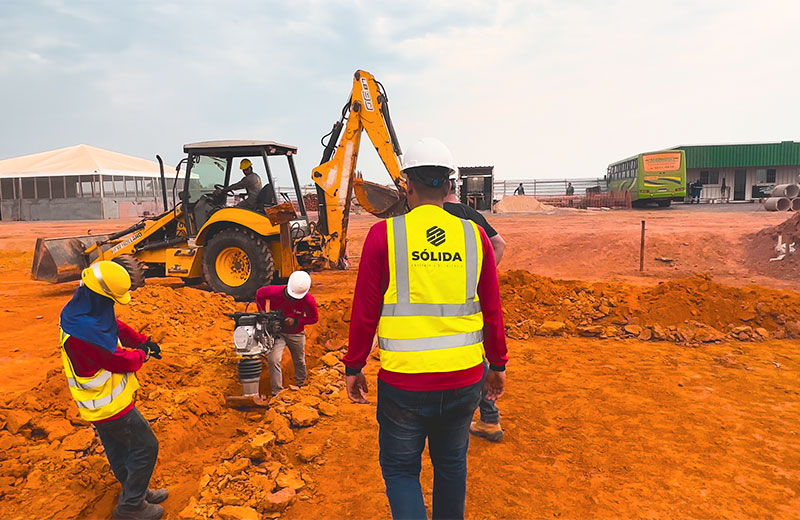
692	310
52	463
761	247
520	203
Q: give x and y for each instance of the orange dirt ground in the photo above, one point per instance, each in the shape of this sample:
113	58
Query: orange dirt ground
668	394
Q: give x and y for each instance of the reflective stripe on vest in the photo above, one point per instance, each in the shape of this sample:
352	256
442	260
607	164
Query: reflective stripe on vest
419	344
93	404
101	395
92	383
424	335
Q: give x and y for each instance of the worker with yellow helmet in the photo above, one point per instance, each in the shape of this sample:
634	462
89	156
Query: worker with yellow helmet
251	183
101	356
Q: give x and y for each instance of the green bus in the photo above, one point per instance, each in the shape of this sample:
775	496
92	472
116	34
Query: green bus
658	177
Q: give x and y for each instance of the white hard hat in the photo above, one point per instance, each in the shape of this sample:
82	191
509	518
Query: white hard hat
428	151
299	284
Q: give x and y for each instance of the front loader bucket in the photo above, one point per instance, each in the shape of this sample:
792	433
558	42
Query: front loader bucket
59	260
381	201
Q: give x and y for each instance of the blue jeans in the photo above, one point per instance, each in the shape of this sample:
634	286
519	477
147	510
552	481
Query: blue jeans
406	419
132	450
489	412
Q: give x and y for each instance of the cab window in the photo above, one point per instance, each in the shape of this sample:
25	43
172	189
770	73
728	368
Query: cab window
206	172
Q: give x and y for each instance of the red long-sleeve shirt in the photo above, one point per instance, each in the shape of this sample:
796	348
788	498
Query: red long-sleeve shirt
371	284
87	358
304	310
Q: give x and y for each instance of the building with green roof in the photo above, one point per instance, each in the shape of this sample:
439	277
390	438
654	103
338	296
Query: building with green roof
746	171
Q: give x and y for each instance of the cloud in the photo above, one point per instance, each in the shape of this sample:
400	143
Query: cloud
539	88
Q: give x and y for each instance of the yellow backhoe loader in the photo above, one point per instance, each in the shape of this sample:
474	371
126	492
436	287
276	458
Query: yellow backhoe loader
237	250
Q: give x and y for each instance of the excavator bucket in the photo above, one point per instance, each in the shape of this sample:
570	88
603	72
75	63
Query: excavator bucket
381	201
59	260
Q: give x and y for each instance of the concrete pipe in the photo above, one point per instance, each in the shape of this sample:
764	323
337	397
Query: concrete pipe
795	204
786	190
777	204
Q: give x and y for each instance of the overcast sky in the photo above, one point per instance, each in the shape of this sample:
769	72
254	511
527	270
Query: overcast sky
539	88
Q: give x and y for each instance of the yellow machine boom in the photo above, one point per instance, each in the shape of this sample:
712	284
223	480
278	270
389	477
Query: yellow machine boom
367	110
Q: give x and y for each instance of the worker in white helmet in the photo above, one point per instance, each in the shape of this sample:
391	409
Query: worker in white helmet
299	309
427	285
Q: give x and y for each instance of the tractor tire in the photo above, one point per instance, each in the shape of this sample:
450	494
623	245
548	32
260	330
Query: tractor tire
135	269
237	262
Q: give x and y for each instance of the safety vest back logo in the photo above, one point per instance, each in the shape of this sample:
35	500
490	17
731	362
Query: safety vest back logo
436	235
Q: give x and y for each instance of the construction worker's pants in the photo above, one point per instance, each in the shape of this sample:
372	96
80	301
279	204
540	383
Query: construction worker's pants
406	419
297	348
132	450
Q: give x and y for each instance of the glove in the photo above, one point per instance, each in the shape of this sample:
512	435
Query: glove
289	322
150	349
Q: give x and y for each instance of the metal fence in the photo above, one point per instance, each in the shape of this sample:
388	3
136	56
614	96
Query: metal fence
546	187
289	191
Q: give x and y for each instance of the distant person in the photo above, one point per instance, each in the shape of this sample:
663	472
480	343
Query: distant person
697	189
299	309
454	207
570	189
725	195
520	190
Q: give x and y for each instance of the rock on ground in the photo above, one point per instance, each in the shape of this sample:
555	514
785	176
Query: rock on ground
78	441
303	416
327	409
280	500
310	452
330	359
238	513
17	419
551	328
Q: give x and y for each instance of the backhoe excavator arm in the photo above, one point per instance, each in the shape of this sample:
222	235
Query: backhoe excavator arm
367	110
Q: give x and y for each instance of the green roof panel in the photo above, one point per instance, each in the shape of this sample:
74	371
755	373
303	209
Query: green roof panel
786	153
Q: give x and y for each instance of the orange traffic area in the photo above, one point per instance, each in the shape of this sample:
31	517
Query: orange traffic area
668	393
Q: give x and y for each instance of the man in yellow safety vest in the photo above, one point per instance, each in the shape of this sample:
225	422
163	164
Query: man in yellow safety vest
101	374
427	283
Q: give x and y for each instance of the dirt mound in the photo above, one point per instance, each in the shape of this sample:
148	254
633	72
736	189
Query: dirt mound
692	310
520	203
761	247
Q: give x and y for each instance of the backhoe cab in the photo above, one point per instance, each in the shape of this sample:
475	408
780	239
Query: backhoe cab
203	237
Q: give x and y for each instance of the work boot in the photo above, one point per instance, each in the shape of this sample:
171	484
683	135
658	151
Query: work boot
156	496
488	431
146	511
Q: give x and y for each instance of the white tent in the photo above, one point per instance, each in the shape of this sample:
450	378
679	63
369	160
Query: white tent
78	182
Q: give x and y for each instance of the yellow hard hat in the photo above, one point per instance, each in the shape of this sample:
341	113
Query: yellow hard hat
245	164
108	279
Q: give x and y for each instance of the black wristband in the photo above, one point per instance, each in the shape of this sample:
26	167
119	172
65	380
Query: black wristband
497	368
351	371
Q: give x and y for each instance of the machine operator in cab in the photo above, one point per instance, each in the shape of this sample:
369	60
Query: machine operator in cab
250	183
427	283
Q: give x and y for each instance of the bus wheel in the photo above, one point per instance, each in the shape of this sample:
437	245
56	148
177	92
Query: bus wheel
664	203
